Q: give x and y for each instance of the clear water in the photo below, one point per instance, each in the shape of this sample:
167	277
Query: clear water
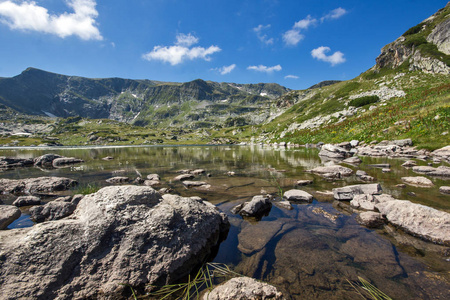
309	252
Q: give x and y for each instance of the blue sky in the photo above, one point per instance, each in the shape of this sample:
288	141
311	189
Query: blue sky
295	43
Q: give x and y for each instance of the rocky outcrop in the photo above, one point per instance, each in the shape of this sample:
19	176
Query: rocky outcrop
350	191
8	214
440	36
36	185
244	288
394	54
419	220
121	234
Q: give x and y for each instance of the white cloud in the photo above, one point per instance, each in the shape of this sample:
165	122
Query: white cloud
226	69
305	23
186	40
292	37
30	16
261	36
291	77
265	69
334	14
335	59
181	51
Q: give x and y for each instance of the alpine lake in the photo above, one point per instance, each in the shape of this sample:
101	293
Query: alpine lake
309	251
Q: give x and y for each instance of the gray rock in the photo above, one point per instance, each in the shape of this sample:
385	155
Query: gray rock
409	164
77	198
152	182
348	192
13	162
354	143
441	171
444	189
332	151
364	176
108	158
298	195
64	161
363	201
46	160
36	185
8	214
184	177
243	288
335	171
443	153
202	184
419	220
27	201
121	234
256	207
284	204
352	160
370	219
381	166
419	181
386	170
198	172
53	210
154	177
401	143
118	180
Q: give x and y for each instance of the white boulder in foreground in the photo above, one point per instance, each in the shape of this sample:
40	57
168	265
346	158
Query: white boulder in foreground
298	195
418	220
243	288
121	234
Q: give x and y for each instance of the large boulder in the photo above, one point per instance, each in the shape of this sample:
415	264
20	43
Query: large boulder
332	151
118	235
8	214
419	220
243	288
36	185
349	192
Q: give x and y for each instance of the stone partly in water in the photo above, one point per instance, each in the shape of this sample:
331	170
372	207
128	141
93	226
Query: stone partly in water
36	185
118	180
419	220
336	152
348	192
8	214
120	234
335	171
53	210
65	161
27	201
258	206
298	195
243	288
370	219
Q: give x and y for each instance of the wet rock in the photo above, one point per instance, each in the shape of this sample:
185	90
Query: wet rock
409	164
336	152
184	177
370	219
353	160
444	189
336	171
419	181
46	160
348	192
320	211
419	220
53	210
118	180
243	288
8	214
298	195
27	201
304	182
64	161
154	177
120	234
36	185
256	207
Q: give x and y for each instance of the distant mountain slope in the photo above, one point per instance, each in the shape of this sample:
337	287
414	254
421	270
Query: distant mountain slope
39	92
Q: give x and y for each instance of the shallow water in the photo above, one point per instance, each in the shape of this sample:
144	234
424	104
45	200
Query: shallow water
310	251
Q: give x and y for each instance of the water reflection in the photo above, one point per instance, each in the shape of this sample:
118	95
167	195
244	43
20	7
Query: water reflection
309	251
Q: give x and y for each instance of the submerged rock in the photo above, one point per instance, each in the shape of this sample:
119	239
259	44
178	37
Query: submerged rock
36	185
120	234
243	288
8	214
419	220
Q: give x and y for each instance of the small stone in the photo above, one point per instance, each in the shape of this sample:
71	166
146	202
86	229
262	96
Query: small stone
184	177
409	164
298	195
444	189
304	182
153	177
118	180
386	170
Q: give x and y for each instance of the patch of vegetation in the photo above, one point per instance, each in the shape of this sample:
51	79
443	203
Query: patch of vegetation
414	29
362	101
346	89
